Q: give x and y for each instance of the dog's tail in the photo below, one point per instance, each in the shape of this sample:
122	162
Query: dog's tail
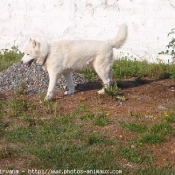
121	37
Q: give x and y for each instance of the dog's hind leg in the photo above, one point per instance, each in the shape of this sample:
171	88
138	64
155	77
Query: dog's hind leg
70	84
104	71
52	82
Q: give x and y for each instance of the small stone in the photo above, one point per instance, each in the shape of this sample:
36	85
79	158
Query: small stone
33	77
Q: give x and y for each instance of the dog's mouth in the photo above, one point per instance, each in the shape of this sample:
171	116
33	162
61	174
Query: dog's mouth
29	63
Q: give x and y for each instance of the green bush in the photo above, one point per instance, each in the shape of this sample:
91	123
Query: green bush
9	57
171	45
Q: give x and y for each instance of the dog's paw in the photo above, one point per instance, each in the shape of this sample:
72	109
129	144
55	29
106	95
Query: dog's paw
68	92
64	87
101	92
47	98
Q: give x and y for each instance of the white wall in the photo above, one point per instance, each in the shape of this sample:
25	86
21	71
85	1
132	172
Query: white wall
149	22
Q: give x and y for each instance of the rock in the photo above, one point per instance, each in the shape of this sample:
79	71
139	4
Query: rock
34	77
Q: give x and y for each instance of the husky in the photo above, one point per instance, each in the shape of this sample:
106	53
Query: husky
64	56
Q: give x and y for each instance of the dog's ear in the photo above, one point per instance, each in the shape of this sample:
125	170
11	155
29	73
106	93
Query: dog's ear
35	44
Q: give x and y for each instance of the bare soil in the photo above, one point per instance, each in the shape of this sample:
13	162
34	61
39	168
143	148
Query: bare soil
149	98
146	97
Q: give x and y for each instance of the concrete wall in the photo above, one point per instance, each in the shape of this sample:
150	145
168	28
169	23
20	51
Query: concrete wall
149	22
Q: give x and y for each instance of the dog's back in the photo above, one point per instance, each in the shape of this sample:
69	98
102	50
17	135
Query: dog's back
76	54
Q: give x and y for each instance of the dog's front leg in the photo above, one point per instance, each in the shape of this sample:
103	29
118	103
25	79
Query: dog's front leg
52	83
71	86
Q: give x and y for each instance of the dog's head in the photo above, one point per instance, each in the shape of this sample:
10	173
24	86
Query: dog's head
33	53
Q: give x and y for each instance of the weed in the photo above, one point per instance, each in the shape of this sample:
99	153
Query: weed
94	138
101	120
151	139
151	170
156	134
114	92
135	127
22	89
16	107
6	152
89	74
172	74
22	173
50	107
83	112
171	51
162	129
8	57
3	126
126	68
133	155
169	117
139	116
82	109
1	108
30	120
171	45
75	157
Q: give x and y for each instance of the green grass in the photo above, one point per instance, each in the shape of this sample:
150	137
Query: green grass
94	138
84	113
156	171
9	57
157	133
89	74
125	68
170	118
7	152
135	127
151	139
77	140
86	138
136	155
59	145
113	92
162	128
152	134
101	120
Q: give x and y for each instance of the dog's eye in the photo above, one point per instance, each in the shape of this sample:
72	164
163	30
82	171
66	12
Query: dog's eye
28	54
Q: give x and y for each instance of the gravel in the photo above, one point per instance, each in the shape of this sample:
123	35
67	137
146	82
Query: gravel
34	77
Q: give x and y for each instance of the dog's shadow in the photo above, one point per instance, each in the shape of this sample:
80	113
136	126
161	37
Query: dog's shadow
88	86
122	84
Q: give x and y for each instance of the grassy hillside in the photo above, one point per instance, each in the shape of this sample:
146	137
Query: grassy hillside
86	133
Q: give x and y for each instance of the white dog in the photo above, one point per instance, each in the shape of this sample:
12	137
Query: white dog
63	57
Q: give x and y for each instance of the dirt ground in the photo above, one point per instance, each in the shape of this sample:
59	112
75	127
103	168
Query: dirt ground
149	98
146	97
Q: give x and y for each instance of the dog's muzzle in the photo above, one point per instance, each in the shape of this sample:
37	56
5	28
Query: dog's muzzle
29	63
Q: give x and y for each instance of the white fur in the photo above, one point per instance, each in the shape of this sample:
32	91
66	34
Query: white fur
65	56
